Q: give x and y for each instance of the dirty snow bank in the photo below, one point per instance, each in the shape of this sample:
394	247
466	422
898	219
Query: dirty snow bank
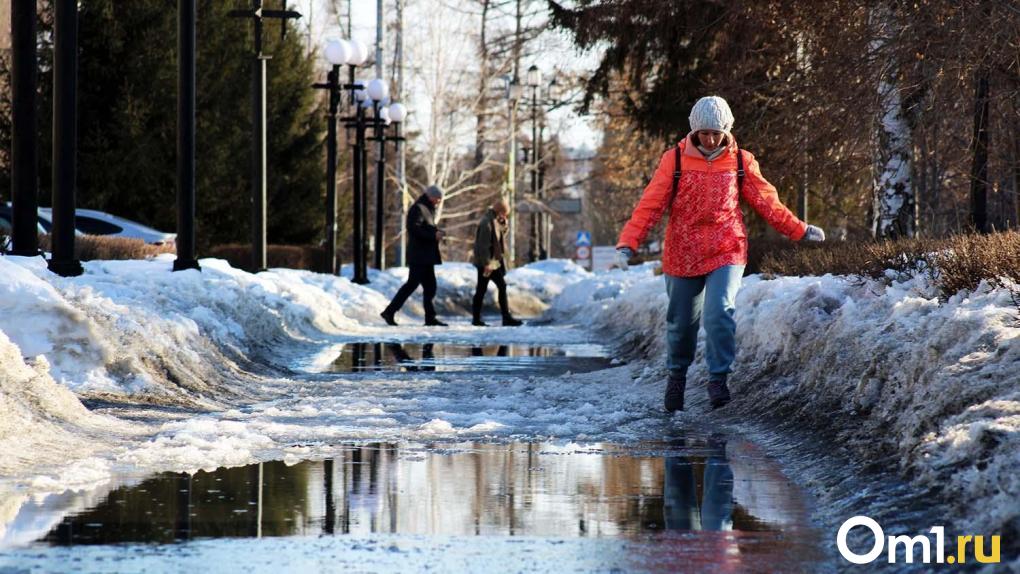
42	421
887	370
134	329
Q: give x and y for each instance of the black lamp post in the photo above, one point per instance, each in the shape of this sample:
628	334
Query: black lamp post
65	136
361	96
540	221
258	148
380	181
353	53
378	91
338	53
360	214
24	139
384	116
186	136
534	82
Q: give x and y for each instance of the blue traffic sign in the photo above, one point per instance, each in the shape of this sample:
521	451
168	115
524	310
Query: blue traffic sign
583	238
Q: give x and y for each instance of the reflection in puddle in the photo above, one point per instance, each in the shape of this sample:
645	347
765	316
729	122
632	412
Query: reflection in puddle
447	357
521	489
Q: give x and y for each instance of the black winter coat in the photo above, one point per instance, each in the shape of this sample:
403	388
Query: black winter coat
422	245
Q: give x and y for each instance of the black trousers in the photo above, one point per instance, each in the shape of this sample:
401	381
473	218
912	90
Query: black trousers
499	278
424	275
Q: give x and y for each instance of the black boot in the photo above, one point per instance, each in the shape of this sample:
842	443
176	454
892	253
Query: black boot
675	387
718	392
477	321
387	316
509	321
433	322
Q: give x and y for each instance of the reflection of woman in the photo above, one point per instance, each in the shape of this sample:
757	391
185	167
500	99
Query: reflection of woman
680	494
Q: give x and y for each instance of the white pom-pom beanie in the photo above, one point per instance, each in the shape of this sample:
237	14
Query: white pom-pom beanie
711	113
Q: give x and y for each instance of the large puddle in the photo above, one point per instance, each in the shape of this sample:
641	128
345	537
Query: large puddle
723	497
358	357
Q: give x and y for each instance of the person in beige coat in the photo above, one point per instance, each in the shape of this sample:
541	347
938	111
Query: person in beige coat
489	259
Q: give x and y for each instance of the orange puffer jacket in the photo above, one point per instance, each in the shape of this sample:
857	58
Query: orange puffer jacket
706	228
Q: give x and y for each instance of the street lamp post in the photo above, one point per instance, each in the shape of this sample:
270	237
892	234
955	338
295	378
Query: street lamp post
382	117
540	235
535	82
360	251
24	138
185	137
394	114
379	91
65	137
338	53
513	95
258	184
353	53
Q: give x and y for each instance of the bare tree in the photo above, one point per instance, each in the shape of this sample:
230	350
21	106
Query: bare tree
893	149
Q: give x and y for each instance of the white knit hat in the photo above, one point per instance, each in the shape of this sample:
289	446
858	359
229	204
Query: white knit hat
711	113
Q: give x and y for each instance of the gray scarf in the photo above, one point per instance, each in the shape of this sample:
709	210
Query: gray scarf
710	155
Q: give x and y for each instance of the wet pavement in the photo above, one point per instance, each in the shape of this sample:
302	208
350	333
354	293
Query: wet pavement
703	498
694	501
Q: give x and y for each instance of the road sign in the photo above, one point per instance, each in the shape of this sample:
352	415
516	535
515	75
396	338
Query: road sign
582	256
565	205
583	238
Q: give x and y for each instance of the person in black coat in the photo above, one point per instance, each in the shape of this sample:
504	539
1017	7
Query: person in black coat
423	255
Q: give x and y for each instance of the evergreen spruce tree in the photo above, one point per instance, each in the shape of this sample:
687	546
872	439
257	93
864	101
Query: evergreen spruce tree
128	120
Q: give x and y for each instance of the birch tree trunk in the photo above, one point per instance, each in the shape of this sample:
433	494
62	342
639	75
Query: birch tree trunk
893	193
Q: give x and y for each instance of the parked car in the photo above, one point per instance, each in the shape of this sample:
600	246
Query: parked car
92	222
7	227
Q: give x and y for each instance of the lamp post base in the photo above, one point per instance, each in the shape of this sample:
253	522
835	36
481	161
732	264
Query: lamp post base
184	264
66	268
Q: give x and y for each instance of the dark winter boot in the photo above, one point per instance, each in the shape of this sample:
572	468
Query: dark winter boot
718	392
509	321
387	316
477	322
433	322
675	391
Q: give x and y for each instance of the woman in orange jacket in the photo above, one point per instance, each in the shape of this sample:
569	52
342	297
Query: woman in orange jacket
706	242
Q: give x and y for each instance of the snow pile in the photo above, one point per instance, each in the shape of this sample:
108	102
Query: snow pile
43	421
884	369
201	339
206	339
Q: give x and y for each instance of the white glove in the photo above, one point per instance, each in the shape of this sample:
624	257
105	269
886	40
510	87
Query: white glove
814	233
623	257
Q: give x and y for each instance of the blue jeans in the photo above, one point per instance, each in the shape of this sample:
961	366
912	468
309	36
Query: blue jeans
715	296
